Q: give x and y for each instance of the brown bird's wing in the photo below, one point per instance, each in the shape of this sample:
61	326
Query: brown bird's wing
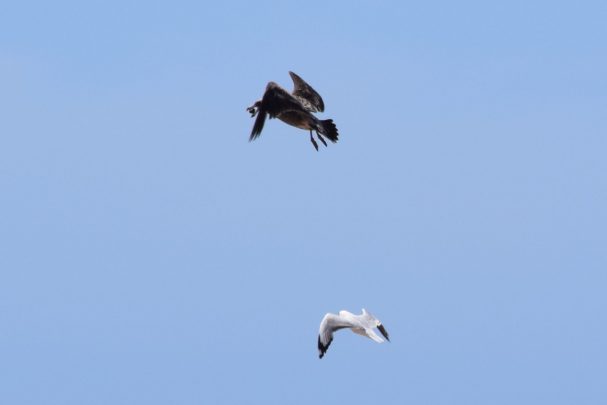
306	94
275	100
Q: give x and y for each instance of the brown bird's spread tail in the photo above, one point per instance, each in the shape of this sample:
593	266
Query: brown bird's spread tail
328	129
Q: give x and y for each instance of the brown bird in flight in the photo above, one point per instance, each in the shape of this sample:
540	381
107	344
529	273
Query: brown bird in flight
295	109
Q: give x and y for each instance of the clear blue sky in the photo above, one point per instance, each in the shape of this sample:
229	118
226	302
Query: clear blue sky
149	254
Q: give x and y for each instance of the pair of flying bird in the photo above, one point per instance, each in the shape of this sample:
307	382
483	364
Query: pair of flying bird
295	109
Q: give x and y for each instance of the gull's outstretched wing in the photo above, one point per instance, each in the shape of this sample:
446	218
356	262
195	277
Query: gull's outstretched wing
329	324
369	321
306	94
275	100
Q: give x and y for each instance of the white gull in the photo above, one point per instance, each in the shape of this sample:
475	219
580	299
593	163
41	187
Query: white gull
362	324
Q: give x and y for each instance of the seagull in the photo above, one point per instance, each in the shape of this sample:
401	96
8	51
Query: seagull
295	109
362	324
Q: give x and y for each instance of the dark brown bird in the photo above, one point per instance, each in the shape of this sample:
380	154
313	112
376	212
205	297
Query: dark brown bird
295	109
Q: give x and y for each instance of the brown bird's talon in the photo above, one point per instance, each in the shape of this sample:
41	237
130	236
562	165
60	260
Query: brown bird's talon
314	143
321	139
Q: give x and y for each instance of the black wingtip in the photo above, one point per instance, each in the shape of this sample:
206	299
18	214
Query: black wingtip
322	349
383	331
258	126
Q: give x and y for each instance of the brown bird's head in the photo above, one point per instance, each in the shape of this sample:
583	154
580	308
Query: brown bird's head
253	109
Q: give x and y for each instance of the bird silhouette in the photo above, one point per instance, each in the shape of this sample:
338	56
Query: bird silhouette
293	108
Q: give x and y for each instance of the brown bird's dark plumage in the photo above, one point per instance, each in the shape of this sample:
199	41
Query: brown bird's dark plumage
295	109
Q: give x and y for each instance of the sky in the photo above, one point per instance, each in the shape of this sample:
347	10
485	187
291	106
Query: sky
150	254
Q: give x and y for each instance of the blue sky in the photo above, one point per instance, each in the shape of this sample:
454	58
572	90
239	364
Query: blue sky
150	254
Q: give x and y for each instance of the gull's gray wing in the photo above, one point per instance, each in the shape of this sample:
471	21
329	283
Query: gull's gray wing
370	321
329	324
275	100
306	94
